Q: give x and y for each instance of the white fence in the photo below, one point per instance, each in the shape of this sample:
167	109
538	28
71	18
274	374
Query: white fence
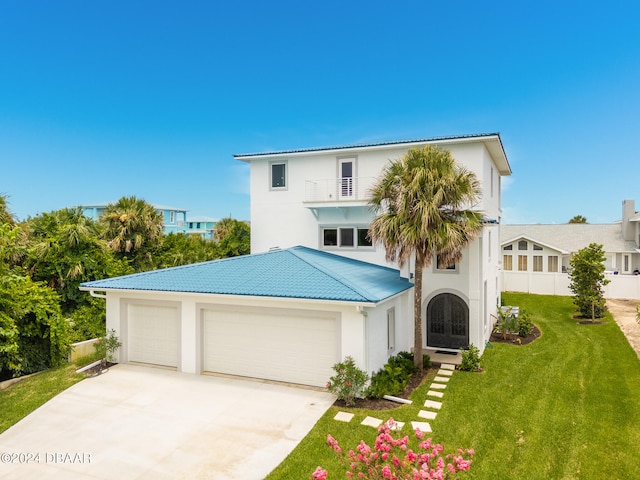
620	286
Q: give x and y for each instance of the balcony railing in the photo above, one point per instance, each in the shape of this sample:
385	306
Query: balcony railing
346	189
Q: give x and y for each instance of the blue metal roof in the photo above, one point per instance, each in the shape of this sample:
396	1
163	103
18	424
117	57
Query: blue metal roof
297	272
374	144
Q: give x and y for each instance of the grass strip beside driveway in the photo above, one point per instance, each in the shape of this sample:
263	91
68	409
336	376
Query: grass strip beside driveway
22	398
563	407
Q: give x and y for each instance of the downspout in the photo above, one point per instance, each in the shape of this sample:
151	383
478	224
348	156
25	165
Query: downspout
97	295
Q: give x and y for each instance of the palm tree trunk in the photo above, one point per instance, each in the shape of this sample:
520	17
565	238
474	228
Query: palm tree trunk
417	314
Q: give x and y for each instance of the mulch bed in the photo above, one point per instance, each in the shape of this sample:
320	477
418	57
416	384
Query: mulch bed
380	403
515	339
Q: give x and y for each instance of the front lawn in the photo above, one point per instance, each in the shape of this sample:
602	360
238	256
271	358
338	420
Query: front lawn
563	407
22	398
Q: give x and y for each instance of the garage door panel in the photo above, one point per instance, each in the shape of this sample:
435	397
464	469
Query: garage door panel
153	333
277	346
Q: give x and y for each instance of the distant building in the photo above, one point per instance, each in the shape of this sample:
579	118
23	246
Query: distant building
203	226
174	219
536	258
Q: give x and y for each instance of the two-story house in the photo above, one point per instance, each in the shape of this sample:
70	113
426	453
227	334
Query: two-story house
318	197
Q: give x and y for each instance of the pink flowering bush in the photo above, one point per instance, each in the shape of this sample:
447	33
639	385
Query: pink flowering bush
349	381
393	458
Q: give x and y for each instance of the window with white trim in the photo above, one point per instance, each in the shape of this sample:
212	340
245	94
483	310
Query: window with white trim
441	266
537	263
345	237
522	263
278	175
391	329
507	262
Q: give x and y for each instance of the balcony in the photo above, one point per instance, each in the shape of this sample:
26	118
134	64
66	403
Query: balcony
353	190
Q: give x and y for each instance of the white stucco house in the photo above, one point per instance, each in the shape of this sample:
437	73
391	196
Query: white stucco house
314	288
536	257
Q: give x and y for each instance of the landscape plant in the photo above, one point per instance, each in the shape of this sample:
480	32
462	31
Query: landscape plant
470	359
393	377
507	323
395	456
587	281
106	346
349	381
525	325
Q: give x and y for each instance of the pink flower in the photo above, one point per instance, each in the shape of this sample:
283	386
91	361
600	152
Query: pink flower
319	474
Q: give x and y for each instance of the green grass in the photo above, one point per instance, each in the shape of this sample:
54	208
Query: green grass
22	398
563	407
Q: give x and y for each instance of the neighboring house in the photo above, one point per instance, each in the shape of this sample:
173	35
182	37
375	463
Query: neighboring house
203	226
174	218
536	258
314	289
286	315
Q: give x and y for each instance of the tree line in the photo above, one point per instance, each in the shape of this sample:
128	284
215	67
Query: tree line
44	259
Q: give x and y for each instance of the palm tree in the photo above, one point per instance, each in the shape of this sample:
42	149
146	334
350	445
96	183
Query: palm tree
422	204
133	229
578	219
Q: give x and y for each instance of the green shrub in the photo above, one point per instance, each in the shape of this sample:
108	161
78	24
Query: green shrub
392	379
525	325
426	361
349	381
470	359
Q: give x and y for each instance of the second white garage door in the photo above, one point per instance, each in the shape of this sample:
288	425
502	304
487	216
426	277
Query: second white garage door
275	345
153	334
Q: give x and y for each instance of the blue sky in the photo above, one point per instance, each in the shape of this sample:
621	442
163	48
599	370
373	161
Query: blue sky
104	99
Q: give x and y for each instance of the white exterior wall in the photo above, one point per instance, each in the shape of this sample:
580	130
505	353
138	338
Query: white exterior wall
376	331
282	218
352	330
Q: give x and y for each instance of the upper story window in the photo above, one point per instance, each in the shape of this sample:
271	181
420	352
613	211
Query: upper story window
346	237
444	267
278	174
522	245
172	217
537	247
508	247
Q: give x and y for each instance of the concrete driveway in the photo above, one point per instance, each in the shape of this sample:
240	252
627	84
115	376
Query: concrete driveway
137	422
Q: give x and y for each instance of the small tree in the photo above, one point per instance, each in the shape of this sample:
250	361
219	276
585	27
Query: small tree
587	281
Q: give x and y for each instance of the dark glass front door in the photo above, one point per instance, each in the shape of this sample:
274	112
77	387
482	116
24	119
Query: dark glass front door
447	322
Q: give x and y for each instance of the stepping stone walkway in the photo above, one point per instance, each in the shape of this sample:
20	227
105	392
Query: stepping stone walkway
435	390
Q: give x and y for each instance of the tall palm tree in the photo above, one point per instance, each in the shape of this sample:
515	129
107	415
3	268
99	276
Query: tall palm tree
133	229
423	204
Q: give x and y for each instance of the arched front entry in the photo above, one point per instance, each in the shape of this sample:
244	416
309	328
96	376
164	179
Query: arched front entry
447	322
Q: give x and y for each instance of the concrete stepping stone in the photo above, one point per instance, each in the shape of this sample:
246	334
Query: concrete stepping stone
446	373
441	379
438	386
371	422
433	404
423	426
447	366
428	414
343	417
431	393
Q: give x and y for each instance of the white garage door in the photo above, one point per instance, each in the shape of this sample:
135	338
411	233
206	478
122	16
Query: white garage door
153	333
278	346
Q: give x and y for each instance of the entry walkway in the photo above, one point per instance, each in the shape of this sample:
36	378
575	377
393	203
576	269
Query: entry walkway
430	408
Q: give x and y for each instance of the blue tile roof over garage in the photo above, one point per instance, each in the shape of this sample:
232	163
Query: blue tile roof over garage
296	272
